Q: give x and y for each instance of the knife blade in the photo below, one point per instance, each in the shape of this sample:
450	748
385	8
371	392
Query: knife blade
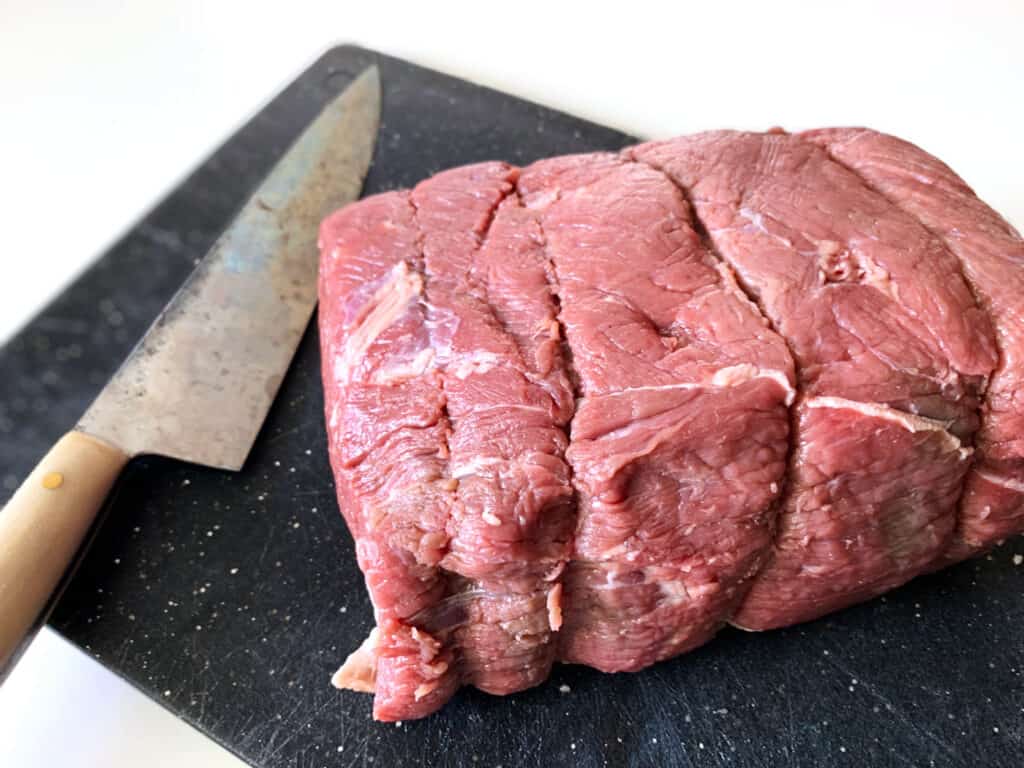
201	381
198	386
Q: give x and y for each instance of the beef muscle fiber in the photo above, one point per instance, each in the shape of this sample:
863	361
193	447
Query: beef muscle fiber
891	350
992	256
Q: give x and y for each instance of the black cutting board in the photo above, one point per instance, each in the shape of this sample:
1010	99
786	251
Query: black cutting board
231	598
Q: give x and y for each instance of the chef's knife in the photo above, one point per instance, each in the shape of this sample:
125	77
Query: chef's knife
198	385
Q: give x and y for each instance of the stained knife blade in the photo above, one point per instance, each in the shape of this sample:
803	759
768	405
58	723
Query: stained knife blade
198	386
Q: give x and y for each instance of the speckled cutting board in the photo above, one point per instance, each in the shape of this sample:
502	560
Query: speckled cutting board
231	598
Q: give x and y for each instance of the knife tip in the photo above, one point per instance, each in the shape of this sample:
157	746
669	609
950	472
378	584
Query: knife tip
370	76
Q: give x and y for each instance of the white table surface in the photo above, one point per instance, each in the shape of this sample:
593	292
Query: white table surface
105	105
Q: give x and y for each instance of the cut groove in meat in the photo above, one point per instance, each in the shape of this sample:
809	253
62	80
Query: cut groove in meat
876	312
564	356
554	291
728	279
508	402
396	504
991	254
675	472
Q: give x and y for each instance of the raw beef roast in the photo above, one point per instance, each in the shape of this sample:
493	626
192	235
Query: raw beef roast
594	409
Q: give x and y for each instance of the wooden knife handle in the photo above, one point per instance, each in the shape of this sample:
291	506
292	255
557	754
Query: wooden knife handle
42	528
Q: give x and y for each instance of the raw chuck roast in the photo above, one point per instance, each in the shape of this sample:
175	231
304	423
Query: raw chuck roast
594	409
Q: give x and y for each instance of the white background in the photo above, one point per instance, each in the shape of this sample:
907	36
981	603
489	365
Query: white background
104	105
